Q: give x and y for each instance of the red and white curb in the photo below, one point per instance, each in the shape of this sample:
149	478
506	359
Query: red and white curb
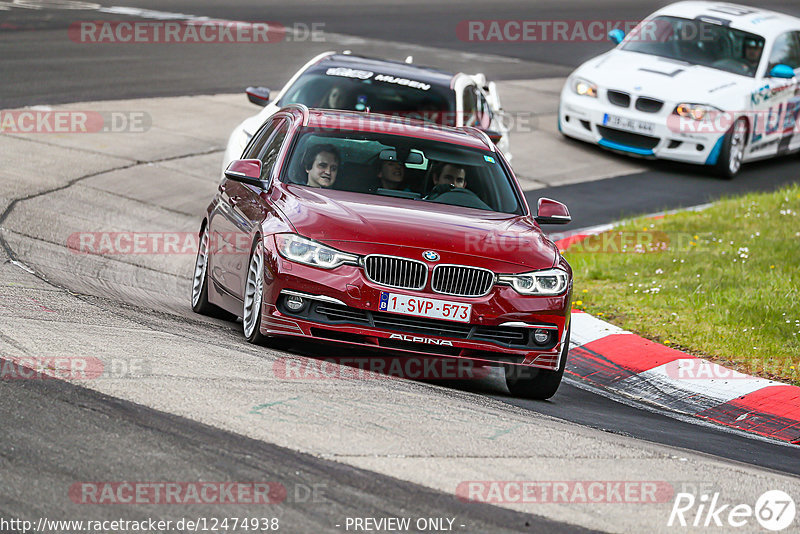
607	356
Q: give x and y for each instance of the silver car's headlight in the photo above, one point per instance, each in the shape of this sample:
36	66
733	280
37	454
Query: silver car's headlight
695	111
545	283
584	88
307	251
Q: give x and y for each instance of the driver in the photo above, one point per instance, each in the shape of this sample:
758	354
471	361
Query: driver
450	187
449	173
321	163
752	52
334	98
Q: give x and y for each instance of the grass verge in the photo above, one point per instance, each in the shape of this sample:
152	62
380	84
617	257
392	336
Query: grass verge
722	283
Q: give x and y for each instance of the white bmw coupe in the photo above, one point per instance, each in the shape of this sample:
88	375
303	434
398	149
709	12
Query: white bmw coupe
700	82
357	83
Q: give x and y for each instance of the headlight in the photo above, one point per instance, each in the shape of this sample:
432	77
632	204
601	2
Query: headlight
584	88
695	111
302	250
546	283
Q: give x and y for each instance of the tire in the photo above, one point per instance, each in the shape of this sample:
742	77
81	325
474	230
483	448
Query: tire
253	295
543	384
733	145
199	297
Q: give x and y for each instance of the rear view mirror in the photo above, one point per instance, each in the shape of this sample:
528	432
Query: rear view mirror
390	154
258	95
247	171
552	212
414	158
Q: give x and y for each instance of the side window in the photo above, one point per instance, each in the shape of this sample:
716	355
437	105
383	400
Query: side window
261	138
269	153
786	50
476	109
470	106
484	113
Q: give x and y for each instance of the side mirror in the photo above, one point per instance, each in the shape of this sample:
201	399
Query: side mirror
494	135
247	171
552	212
782	71
616	35
258	95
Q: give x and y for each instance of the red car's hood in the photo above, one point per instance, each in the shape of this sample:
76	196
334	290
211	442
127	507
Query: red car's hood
365	224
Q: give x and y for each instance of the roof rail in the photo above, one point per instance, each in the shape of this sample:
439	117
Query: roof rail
480	134
303	109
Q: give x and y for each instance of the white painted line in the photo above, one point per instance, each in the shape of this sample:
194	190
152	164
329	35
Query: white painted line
586	328
697	376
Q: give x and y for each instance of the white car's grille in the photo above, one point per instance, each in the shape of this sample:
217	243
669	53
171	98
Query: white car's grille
649	105
618	98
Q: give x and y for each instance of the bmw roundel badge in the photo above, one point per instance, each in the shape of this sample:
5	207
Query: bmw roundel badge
430	255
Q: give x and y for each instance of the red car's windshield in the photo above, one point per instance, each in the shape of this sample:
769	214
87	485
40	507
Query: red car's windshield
408	169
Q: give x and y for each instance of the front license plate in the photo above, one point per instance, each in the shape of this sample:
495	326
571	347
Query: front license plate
632	125
424	307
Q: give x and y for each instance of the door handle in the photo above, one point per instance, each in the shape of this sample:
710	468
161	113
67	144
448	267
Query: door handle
235	200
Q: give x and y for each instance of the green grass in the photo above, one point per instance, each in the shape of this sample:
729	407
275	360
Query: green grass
722	283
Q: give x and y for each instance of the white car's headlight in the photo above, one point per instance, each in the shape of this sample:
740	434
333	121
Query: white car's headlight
307	251
584	88
546	283
695	111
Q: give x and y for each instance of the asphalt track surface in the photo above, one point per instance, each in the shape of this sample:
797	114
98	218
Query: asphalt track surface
38	68
160	446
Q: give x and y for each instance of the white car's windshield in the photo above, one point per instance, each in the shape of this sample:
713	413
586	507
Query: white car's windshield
699	43
385	94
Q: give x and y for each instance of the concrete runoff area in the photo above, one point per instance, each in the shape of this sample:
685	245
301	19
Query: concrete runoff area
132	313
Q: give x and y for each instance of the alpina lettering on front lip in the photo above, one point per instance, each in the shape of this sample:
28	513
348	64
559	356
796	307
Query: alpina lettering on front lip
430	255
428	340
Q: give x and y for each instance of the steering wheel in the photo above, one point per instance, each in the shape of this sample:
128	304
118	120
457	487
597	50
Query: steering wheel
456	196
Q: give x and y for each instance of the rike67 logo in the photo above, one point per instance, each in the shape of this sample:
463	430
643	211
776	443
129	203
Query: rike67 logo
774	510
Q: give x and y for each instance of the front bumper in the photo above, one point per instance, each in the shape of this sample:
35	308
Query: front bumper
584	118
342	306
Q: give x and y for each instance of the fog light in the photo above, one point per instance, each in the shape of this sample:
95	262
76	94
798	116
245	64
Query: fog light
294	303
540	336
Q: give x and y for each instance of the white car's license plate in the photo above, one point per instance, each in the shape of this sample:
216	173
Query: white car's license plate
632	125
424	307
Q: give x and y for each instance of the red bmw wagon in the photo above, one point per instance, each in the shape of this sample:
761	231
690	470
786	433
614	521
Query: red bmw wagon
389	234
